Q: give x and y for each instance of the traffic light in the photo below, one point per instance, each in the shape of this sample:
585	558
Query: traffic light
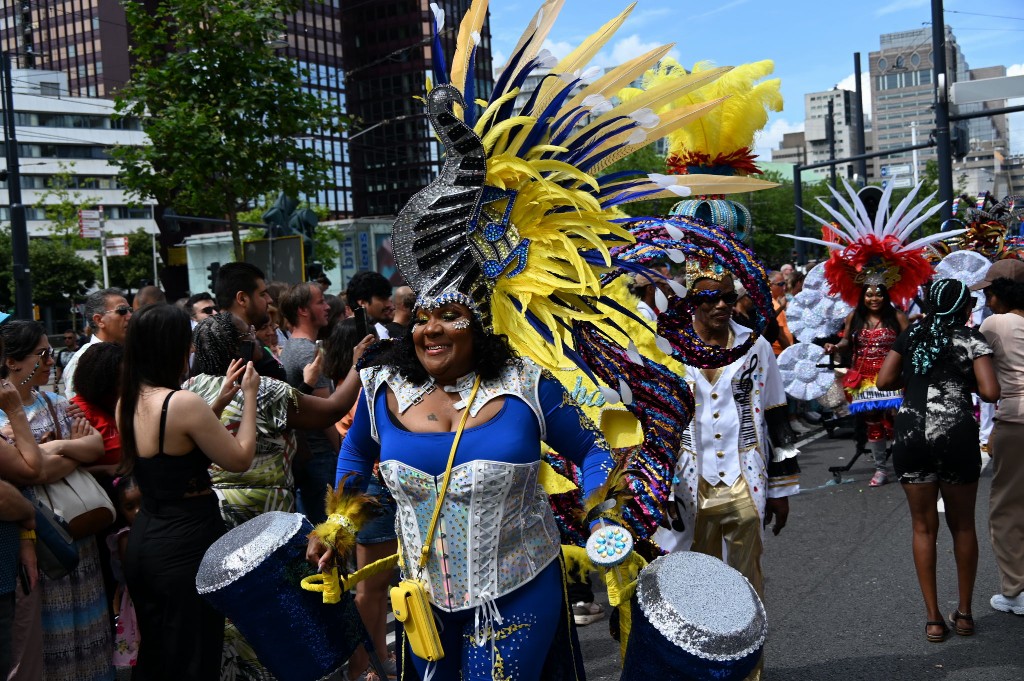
214	268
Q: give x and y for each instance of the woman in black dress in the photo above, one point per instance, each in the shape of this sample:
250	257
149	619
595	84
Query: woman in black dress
169	437
939	362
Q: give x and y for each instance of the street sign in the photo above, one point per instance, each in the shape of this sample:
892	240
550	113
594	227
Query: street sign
90	224
116	246
896	169
902	182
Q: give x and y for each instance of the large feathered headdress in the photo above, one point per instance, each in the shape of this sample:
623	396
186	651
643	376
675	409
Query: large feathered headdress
871	253
718	148
518	225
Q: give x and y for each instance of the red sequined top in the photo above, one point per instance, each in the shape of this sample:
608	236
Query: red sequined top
870	346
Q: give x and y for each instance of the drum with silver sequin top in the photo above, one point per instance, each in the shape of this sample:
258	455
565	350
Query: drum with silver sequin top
252	575
694	619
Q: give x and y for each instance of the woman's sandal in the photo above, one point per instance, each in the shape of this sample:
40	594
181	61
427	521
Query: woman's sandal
936	638
961	631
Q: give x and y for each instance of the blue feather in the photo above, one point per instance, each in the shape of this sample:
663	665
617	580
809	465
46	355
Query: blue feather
542	125
469	91
506	75
438	61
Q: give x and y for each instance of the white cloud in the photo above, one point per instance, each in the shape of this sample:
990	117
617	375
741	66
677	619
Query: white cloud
848	83
560	49
899	6
628	48
498	59
770	137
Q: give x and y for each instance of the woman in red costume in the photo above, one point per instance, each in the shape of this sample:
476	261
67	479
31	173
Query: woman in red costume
875	267
870	331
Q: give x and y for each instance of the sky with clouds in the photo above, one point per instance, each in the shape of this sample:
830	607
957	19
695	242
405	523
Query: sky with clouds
811	42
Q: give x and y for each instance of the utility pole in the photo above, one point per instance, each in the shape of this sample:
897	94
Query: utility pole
858	128
943	148
19	229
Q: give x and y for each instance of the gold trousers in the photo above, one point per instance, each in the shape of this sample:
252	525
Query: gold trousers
726	515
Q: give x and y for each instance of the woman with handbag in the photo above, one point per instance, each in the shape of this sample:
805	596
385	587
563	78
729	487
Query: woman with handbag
870	331
76	635
169	439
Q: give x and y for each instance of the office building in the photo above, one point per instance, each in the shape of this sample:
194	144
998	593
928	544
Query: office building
902	96
70	136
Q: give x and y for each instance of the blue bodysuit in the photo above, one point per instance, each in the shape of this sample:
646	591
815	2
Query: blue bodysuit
494	580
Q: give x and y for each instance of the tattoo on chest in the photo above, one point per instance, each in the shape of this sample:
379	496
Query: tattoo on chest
432	417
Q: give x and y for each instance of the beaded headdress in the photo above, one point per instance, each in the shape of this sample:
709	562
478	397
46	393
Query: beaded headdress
876	252
717	150
703	267
518	225
990	226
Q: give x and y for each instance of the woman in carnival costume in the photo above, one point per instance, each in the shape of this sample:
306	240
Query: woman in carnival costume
510	254
875	270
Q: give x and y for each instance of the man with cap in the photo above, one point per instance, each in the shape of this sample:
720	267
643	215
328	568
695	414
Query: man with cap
1004	294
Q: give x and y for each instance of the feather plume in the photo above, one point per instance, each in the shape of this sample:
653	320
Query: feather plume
347	511
732	125
471	24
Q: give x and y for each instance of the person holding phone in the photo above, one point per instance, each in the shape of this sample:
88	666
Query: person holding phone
268	484
371	292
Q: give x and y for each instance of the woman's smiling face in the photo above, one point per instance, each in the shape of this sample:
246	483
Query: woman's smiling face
443	339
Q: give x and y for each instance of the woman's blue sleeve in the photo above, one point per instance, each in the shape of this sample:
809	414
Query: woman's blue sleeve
358	450
573	435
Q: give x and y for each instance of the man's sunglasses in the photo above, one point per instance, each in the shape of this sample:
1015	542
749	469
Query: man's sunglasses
120	310
714	297
211	310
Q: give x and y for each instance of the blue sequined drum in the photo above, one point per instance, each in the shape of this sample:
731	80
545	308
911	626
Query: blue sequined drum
694	619
252	575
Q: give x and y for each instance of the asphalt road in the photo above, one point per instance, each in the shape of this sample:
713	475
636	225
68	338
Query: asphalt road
842	597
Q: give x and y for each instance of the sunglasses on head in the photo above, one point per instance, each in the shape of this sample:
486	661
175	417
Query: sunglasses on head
714	297
120	310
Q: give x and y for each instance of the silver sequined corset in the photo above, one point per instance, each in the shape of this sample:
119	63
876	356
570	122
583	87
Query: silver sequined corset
494	534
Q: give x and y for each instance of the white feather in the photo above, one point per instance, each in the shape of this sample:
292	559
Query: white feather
674	232
610	396
662	343
883	208
677	288
633	354
438	15
675	255
660	299
627	394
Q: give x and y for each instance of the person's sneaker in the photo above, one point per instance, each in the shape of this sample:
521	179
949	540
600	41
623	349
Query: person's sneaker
812	417
587	613
879	479
1004	604
798	427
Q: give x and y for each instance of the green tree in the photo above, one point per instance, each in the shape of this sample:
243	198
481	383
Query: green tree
224	113
59	274
127	270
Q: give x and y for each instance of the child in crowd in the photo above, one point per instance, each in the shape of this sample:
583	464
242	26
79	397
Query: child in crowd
126	630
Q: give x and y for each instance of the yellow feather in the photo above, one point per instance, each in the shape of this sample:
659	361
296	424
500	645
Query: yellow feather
581	56
733	125
612	82
538	30
464	45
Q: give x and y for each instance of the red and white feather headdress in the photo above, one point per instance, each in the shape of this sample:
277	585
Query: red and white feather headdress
877	252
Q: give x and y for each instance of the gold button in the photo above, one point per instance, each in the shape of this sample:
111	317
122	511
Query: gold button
720	455
715	415
714	396
718	436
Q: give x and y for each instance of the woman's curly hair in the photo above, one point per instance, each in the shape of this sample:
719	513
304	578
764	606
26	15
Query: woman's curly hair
491	355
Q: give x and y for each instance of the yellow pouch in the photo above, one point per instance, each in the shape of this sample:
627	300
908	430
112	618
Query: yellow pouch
411	604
